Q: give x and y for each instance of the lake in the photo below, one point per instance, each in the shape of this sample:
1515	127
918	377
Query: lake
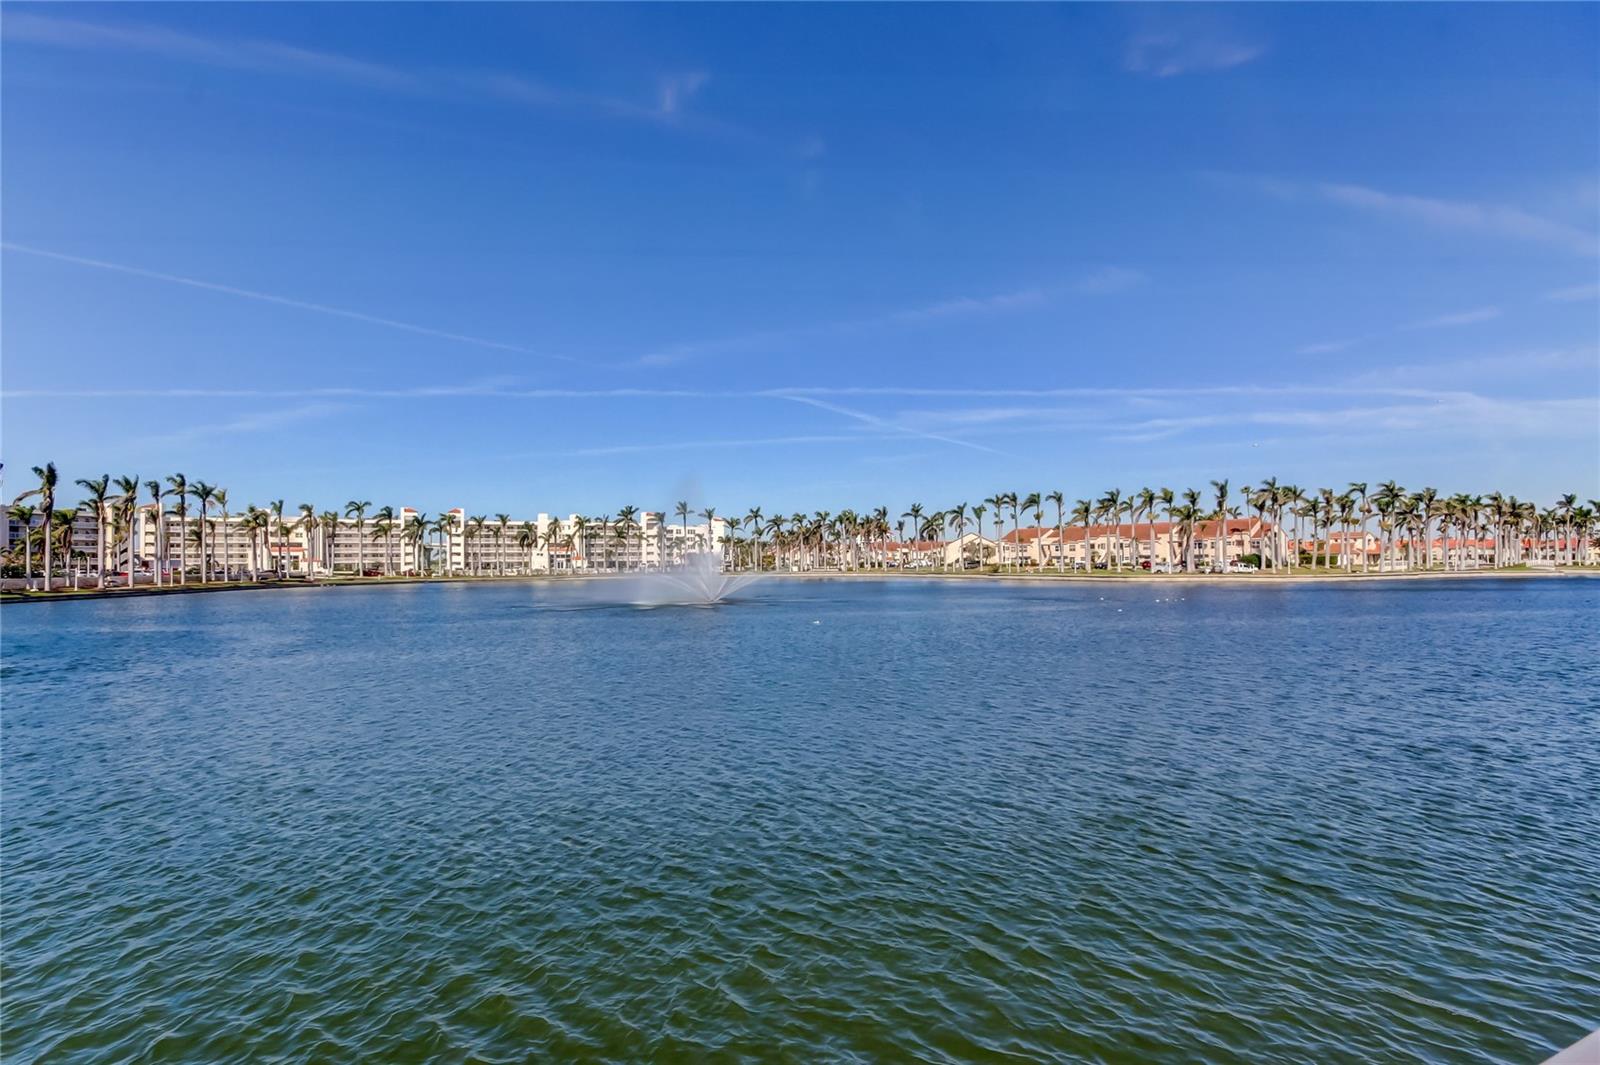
832	820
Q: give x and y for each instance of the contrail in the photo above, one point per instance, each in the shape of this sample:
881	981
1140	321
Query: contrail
884	423
282	301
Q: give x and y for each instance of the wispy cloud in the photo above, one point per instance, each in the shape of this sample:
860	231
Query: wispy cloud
1471	399
1436	213
1442	321
678	89
1455	414
668	107
961	305
261	56
1188	47
1532	368
886	424
1328	347
1109	279
1575	293
252	422
720	443
282	301
1446	321
1104	280
789	392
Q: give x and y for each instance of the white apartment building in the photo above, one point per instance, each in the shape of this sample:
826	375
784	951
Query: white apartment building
1160	543
546	544
242	545
237	546
82	542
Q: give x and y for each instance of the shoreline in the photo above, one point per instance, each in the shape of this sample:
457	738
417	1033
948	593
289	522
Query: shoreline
1219	579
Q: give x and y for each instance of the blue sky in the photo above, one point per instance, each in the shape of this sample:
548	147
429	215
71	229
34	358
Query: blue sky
565	258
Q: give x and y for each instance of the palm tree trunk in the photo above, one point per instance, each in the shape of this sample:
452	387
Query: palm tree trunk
100	545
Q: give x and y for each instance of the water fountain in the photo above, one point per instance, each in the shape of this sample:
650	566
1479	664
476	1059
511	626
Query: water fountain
698	580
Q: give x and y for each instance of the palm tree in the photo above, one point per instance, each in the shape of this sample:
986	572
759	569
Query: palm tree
1060	501
1219	560
553	538
1190	515
621	534
154	488
1110	506
914	515
1032	504
280	568
24	514
997	503
251	524
626	524
127	507
357	509
58	535
382	527
328	526
1143	502
1358	491
415	533
475	526
1268	501
753	520
444	527
1564	508
710	514
579	534
308	524
775	527
220	498
1010	499
202	493
1260	498
682	511
389	520
1345	511
1083	514
1166	498
958	517
500	521
528	540
178	489
98	488
1389	500
47	508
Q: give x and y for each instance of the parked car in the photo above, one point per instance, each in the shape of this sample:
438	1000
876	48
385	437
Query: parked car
1243	567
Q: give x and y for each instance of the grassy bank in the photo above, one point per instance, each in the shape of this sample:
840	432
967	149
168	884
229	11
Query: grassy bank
1299	576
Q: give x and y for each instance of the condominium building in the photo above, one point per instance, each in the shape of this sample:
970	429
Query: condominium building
82	542
547	544
1144	543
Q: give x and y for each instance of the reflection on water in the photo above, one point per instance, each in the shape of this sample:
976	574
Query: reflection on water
947	823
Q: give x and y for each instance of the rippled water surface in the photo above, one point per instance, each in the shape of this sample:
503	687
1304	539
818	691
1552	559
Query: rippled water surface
863	821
